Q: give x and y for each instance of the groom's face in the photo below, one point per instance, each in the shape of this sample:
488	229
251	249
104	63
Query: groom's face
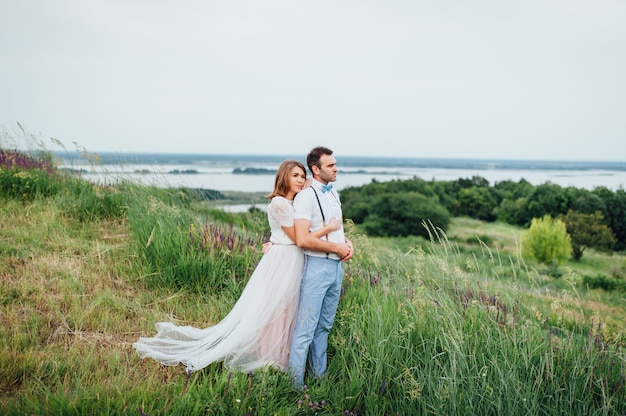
328	168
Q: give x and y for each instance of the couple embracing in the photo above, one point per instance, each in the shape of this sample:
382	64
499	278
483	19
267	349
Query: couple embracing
285	312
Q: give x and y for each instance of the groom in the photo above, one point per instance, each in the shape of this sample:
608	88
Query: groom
315	206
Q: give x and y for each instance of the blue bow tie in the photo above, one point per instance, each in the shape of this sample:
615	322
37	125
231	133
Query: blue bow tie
326	188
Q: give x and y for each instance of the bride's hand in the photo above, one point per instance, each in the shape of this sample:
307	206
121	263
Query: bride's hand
266	247
334	224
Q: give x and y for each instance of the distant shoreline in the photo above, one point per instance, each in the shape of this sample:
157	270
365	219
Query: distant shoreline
244	160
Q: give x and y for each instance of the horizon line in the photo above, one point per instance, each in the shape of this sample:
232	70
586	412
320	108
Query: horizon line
292	156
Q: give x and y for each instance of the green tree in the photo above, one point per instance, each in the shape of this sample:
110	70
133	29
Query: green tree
448	191
547	241
615	214
514	190
585	201
512	200
403	214
588	231
511	211
474	181
476	202
546	199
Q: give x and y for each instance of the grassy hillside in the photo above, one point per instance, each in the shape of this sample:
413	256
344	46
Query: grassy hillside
459	324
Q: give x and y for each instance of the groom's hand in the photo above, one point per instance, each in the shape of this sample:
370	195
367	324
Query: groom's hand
342	250
350	252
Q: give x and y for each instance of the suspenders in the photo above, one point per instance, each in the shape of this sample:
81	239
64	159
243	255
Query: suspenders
318	203
322	211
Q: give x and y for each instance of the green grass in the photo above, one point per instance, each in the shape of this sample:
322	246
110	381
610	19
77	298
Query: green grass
458	324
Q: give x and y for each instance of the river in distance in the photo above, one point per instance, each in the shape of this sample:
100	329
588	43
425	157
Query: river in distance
250	173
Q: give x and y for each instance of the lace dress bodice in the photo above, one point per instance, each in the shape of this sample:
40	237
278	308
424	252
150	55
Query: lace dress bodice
280	213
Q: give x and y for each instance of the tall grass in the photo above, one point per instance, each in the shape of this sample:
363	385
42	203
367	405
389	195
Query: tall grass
423	327
186	248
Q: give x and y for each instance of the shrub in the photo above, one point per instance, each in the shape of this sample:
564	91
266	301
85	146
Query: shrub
605	283
547	241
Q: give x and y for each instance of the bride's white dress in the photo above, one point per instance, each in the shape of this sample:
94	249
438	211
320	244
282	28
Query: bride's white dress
257	331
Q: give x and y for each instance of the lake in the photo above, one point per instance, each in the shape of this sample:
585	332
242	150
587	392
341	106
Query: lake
217	171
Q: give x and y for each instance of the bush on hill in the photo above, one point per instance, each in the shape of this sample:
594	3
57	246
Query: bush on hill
547	241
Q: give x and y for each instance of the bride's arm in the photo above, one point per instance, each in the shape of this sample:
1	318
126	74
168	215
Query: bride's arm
333	225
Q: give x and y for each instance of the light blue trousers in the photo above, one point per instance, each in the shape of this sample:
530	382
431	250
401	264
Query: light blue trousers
319	298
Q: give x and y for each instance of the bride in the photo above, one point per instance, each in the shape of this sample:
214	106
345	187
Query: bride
257	331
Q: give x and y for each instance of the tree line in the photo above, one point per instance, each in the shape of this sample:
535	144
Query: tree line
594	218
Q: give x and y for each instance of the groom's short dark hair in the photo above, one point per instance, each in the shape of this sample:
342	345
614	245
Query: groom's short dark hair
314	156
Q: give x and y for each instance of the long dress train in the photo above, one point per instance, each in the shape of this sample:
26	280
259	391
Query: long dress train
257	331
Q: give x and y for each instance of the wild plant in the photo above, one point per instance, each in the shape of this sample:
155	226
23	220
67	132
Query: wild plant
185	252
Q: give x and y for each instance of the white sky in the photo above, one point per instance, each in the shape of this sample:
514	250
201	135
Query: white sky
523	79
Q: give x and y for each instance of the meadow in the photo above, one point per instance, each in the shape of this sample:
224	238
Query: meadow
457	324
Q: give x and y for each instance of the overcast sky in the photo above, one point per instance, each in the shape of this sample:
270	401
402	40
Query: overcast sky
506	79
